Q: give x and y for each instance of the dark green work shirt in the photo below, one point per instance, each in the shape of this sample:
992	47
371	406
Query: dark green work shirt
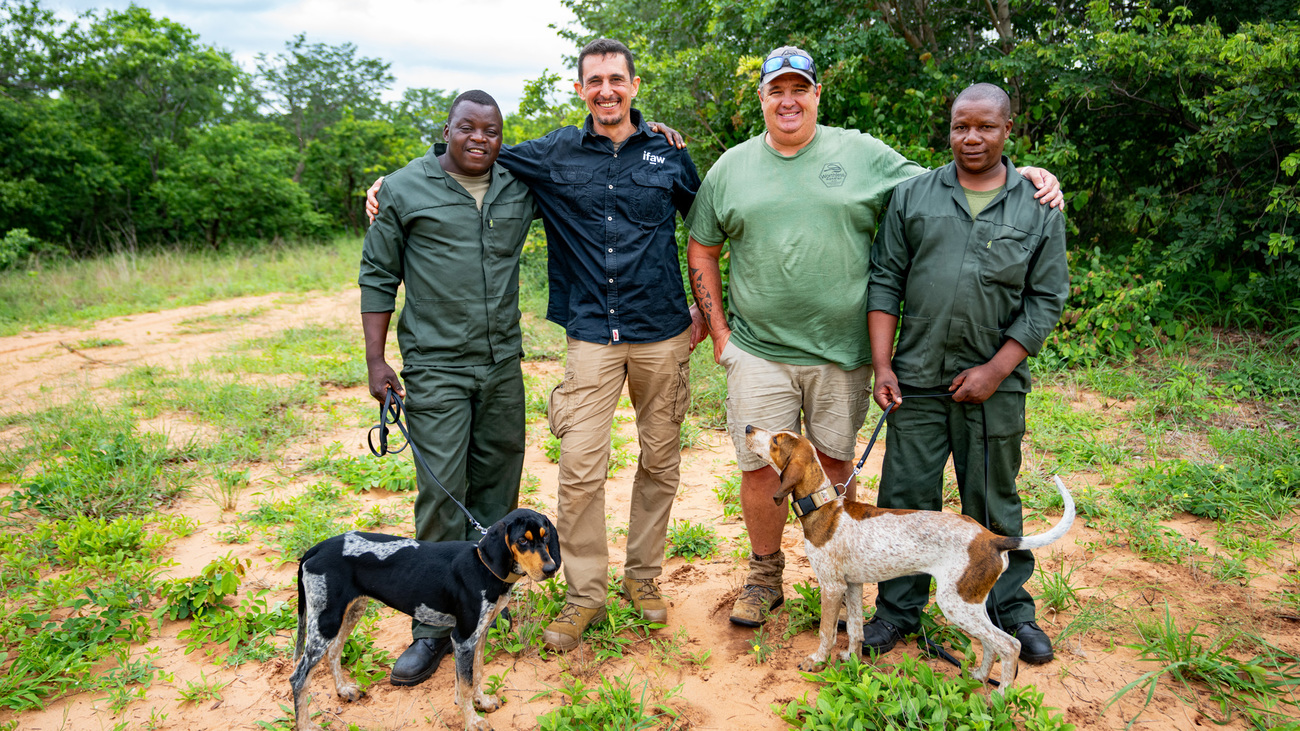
460	265
966	286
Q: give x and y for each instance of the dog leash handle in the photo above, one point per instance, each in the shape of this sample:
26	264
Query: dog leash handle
391	413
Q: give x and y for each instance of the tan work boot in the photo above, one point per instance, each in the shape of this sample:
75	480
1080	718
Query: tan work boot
565	631
645	597
762	591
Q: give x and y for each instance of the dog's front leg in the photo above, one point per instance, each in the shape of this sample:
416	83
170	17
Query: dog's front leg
832	595
465	688
483	701
853	618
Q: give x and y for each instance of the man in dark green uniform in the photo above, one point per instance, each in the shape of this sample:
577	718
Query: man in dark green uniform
450	227
979	269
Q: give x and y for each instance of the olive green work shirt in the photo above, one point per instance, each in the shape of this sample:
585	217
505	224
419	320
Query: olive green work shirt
965	286
460	264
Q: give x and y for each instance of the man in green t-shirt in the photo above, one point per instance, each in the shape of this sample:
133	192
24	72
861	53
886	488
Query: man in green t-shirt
799	204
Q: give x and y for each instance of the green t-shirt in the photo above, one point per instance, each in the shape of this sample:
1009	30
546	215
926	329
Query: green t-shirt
978	200
800	229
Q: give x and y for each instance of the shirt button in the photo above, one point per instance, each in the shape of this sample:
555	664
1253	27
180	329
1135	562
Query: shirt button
611	281
611	312
609	218
616	154
611	251
611	187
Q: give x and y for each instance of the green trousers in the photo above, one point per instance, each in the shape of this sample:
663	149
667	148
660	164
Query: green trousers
922	433
468	422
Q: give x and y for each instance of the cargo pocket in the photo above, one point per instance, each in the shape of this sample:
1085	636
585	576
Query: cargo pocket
682	402
559	409
652	200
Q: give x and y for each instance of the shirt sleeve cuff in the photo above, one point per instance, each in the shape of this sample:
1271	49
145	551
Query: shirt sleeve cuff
374	300
1022	333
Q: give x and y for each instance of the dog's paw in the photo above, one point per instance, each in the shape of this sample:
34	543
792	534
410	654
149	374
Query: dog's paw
477	723
486	703
848	654
810	664
350	693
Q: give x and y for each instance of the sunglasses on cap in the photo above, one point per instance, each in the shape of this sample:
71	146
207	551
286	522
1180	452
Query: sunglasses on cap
799	63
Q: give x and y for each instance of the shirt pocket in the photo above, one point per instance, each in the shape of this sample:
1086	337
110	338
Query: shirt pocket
572	185
1004	259
652	199
438	325
508	222
914	357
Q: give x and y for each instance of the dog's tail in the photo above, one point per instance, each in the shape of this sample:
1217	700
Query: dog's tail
302	618
1044	539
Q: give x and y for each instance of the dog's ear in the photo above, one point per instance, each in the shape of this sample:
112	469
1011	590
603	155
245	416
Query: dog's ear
795	469
495	550
552	540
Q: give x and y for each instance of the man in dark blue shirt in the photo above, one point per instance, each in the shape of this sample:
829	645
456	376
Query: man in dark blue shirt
608	192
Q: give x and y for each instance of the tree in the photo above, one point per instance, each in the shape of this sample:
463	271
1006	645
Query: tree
347	156
424	110
311	85
233	181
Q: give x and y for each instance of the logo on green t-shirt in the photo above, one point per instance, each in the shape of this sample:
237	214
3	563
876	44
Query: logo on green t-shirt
833	175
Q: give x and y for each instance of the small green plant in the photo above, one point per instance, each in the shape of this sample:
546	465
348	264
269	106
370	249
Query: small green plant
197	691
804	610
619	456
691	435
195	596
380	516
761	647
367	472
910	694
235	534
242	634
728	494
225	488
617	702
692	540
551	448
1056	589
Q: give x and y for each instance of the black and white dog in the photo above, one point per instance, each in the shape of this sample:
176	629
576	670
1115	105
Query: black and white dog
457	584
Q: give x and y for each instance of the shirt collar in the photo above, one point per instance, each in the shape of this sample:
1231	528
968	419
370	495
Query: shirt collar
589	126
948	174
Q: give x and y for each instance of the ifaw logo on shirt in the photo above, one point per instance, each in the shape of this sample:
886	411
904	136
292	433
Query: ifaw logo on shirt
653	159
833	175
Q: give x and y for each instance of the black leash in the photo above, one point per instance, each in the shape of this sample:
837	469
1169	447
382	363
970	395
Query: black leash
391	413
926	643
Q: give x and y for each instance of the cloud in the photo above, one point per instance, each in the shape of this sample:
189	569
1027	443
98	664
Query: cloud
495	45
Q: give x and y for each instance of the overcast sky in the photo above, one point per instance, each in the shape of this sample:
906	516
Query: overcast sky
494	45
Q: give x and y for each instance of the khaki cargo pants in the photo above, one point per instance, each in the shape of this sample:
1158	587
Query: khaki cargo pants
581	411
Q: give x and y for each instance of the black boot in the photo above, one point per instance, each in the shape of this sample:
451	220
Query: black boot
1035	647
419	660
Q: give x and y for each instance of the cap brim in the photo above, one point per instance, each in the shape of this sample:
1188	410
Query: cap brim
786	70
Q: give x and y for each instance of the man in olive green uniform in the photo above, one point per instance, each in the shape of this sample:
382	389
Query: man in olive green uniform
450	227
979	270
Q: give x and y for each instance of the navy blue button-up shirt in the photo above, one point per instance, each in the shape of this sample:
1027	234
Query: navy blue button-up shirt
612	253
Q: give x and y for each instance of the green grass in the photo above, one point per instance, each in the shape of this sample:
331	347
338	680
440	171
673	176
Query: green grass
75	293
330	355
692	540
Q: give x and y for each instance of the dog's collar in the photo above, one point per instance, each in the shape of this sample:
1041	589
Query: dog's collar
808	504
509	578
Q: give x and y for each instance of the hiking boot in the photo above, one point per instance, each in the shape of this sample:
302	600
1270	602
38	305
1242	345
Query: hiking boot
879	636
418	661
762	591
1035	647
646	599
565	631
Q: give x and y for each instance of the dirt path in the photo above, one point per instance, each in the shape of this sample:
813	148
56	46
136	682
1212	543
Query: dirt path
732	691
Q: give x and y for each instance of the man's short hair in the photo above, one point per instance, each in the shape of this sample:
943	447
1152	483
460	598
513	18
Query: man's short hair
475	96
606	47
986	93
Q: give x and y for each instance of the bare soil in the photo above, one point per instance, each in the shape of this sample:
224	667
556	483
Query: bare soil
43	369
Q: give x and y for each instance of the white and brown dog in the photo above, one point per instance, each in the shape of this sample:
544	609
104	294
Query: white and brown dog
850	543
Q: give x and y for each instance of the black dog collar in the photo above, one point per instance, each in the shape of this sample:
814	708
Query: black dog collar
510	578
806	505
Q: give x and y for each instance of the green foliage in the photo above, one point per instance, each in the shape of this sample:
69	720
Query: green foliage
395	473
99	543
303	521
1218	492
195	596
1256	688
692	540
804	609
95	463
728	494
618	702
912	695
332	356
233	182
239	635
16	246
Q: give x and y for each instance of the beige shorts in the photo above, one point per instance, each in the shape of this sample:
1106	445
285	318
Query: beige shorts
772	395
